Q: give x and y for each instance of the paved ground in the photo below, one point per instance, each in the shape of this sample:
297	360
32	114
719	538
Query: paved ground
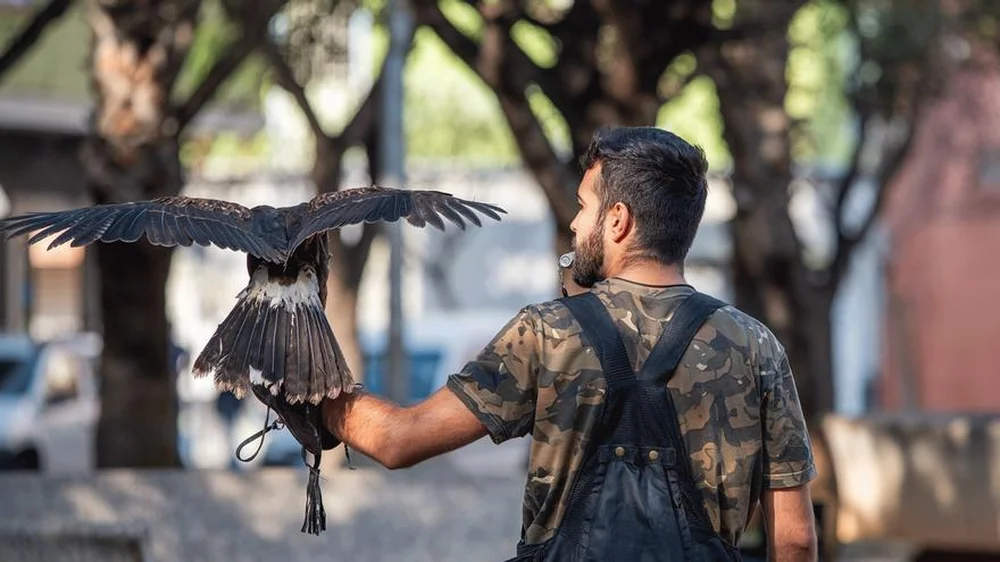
464	506
461	507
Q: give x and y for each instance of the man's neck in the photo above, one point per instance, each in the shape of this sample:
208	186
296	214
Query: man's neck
650	272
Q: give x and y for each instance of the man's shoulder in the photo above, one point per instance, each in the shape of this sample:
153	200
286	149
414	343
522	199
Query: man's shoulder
552	313
738	328
728	325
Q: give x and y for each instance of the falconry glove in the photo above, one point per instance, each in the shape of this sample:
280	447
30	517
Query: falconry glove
305	422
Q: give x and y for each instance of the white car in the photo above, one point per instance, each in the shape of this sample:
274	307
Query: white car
49	403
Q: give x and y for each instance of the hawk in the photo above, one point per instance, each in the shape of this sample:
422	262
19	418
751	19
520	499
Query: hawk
276	342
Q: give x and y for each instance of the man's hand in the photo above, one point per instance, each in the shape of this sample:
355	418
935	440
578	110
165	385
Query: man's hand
791	527
398	437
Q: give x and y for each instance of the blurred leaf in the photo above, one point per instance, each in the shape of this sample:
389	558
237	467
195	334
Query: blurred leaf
463	16
449	112
694	116
820	59
212	37
538	44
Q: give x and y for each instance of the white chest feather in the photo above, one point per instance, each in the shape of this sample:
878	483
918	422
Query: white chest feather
304	291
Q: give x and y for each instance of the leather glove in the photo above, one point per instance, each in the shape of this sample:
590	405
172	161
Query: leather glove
303	420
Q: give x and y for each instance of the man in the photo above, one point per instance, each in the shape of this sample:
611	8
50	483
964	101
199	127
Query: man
745	441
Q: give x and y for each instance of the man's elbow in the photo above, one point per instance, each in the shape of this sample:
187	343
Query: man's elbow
396	458
397	454
798	544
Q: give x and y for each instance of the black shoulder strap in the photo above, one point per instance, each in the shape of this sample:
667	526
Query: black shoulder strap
600	330
676	337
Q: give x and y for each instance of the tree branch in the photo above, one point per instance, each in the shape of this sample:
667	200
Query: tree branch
535	148
847	182
887	170
678	88
516	64
362	121
749	29
539	156
253	29
221	70
889	165
30	35
286	78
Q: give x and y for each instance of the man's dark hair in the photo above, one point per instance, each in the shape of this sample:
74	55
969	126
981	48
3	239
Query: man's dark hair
660	178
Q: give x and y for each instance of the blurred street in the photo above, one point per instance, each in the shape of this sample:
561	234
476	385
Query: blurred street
459	507
463	506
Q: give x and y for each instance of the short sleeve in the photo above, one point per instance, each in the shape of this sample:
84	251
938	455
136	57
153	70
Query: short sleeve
788	457
500	385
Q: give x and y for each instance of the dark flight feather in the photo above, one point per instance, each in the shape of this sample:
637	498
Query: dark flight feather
183	221
371	204
168	221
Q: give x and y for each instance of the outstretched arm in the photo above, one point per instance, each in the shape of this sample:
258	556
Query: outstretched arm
399	437
492	395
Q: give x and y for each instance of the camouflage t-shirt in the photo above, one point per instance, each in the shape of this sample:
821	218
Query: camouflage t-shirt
736	401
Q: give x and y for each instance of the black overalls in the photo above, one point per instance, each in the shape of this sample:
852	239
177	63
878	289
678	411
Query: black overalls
634	498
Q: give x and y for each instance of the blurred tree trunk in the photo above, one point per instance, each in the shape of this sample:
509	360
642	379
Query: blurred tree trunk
770	280
131	154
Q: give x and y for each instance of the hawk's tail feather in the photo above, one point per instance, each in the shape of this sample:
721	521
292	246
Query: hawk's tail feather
277	335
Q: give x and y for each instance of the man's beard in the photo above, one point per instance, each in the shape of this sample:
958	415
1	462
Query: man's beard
588	264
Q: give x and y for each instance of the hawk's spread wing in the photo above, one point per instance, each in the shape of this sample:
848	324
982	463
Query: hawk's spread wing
168	221
371	204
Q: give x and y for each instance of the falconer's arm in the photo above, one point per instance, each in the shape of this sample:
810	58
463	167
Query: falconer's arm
399	437
494	395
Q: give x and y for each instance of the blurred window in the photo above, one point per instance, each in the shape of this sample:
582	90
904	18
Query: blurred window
15	373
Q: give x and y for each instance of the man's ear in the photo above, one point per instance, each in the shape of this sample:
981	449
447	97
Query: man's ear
619	222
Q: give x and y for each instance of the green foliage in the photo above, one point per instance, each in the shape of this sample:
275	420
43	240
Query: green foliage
692	111
694	116
818	66
723	13
448	111
196	149
451	113
821	60
465	17
537	43
214	33
552	122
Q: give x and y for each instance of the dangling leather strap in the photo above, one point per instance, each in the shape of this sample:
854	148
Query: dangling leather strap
276	424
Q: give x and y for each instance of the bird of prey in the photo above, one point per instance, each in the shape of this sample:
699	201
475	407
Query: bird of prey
277	335
276	342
